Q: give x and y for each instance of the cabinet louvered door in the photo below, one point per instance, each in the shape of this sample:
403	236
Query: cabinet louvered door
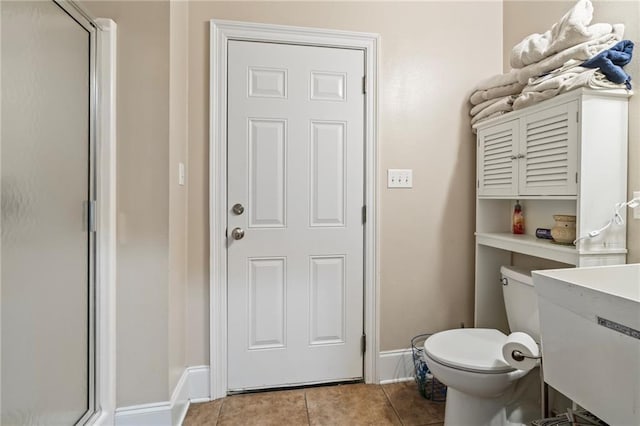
548	151
497	168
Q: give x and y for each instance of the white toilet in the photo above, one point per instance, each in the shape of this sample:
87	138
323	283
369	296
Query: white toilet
483	389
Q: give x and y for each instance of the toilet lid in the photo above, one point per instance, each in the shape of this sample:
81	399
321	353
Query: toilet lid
470	349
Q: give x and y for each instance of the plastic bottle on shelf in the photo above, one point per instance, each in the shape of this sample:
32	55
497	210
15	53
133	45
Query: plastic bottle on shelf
518	219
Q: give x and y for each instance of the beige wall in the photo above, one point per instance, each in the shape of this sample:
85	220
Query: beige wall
427	71
143	198
426	234
522	18
178	138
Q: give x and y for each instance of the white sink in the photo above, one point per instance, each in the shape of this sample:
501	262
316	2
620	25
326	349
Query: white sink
590	335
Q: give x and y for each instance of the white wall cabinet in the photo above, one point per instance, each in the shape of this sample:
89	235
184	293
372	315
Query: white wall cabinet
566	155
535	154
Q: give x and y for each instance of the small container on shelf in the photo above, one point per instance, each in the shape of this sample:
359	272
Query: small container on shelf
518	219
544	233
564	231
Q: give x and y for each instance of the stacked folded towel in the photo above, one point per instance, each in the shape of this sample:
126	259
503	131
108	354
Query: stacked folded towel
492	108
494	96
572	30
553	84
603	71
583	51
545	65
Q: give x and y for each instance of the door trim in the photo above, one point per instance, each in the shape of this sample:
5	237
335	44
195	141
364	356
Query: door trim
221	31
106	173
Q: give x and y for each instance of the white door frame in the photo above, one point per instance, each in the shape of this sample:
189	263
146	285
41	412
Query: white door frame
220	33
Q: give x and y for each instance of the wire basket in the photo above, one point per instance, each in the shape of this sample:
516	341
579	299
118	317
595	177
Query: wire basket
428	386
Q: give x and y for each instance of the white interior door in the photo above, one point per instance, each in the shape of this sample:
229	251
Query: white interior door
295	165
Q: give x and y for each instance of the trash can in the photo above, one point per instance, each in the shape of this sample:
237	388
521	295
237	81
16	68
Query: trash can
428	386
571	418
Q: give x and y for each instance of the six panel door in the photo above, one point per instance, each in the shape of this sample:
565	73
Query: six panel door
295	236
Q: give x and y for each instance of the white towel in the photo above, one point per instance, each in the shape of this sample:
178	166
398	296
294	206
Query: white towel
572	29
497	81
549	86
502	105
481	96
476	109
581	52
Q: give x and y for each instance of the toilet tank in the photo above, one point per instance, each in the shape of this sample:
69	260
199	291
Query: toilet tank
520	301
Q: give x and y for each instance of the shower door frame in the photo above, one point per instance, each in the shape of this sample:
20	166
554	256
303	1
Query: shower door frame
102	190
105	150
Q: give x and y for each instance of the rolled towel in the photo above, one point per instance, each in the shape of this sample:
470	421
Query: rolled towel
476	109
481	96
502	105
582	52
571	30
611	61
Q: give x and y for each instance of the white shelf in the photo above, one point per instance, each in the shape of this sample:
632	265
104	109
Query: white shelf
545	249
532	246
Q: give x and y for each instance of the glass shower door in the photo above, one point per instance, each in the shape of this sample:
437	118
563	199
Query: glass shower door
47	251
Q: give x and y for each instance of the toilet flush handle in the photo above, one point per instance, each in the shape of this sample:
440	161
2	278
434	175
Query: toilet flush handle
504	281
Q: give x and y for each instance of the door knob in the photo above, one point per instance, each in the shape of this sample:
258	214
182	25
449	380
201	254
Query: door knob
237	233
238	208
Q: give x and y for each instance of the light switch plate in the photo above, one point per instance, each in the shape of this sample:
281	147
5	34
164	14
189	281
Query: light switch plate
399	178
181	174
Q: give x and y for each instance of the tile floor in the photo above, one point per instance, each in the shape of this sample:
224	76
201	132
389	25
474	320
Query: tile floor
355	404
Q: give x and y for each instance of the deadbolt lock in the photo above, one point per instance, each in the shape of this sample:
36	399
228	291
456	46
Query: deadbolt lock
238	209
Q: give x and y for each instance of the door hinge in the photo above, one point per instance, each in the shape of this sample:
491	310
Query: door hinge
363	343
478	183
577	116
576	177
364	214
364	85
91	212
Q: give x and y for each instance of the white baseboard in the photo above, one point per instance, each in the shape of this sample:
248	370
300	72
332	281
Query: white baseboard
395	366
193	386
199	389
144	415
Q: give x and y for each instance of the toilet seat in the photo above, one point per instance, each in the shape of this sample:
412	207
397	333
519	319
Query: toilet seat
477	350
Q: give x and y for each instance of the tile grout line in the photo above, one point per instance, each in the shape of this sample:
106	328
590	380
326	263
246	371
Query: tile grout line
391	404
306	406
220	410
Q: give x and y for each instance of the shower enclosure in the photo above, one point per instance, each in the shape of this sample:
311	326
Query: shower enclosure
48	243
